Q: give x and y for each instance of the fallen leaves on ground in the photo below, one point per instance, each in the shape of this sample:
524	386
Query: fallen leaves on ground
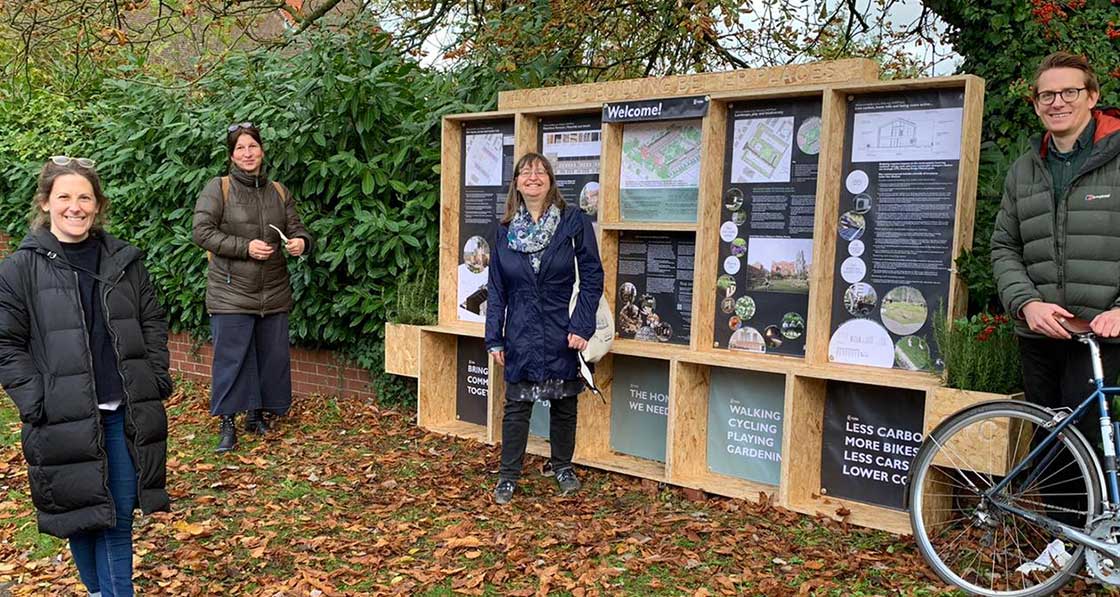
351	498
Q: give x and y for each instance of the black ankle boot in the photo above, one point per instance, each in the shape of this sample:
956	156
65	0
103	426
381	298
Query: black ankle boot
227	434
255	422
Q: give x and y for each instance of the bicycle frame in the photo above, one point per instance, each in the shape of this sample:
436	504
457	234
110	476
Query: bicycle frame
1110	440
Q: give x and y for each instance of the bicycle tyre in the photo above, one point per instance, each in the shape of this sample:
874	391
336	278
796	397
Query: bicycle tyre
958	445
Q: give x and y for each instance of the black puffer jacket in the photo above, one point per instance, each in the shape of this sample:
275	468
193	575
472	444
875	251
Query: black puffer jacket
236	283
47	369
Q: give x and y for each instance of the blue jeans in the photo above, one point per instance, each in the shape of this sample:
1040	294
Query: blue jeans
104	558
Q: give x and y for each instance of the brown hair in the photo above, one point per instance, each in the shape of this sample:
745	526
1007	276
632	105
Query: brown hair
514	199
1067	60
50	172
233	136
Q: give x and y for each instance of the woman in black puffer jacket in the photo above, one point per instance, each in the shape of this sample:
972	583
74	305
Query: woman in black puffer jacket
83	354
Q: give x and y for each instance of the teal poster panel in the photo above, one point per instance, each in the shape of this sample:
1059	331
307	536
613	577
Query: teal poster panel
745	413
640	407
538	422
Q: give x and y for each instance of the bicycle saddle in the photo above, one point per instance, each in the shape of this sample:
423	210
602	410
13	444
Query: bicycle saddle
1075	326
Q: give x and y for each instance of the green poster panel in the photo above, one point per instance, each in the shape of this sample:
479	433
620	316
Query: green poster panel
745	412
640	407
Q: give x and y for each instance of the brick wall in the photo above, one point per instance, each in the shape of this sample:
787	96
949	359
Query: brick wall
313	371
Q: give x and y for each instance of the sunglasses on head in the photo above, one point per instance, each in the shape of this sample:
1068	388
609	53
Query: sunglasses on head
64	160
239	126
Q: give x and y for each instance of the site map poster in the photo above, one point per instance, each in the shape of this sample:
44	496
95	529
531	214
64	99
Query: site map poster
660	176
766	226
487	169
897	211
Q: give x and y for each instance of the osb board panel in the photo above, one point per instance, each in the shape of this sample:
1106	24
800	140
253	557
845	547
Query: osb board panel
972	119
610	173
451	170
818	73
825	218
625	464
989	448
436	402
801	438
402	349
937	498
726	486
496	401
461	429
706	262
593	422
857	513
525	128
686	448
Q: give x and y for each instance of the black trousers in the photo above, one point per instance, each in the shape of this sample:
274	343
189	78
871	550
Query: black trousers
1059	373
515	434
252	366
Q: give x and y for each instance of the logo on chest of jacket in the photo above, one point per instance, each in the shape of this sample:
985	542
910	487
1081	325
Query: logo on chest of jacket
1092	197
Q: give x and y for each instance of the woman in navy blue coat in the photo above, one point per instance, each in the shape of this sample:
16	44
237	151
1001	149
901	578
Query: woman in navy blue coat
529	330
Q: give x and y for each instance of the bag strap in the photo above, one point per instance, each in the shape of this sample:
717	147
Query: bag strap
225	190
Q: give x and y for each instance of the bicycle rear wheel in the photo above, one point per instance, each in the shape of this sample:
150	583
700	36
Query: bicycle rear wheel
978	547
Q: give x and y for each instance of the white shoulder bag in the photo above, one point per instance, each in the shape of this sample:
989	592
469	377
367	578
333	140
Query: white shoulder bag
600	341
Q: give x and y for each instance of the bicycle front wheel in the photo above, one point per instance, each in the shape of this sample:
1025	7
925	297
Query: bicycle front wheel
979	547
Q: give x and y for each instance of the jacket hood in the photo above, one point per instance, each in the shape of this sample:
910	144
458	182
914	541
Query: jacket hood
1108	124
117	253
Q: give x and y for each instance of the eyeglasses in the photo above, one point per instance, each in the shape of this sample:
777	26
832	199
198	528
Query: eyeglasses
538	173
1068	95
63	160
239	126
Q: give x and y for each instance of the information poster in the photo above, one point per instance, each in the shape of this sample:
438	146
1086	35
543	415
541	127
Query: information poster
654	295
871	433
473	380
766	230
574	144
640	407
745	413
894	251
487	152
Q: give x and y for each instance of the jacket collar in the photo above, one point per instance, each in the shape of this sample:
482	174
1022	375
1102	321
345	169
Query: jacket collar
253	181
1106	120
116	254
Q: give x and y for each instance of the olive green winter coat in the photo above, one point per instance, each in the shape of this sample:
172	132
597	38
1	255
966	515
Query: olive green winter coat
1064	251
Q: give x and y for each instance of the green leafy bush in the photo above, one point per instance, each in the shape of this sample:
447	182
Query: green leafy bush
417	299
980	352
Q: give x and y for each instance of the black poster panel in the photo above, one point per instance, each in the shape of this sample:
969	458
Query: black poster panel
654	295
672	108
574	145
487	167
766	229
895	232
871	433
473	380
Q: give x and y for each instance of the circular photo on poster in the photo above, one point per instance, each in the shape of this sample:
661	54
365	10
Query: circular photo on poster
733	199
860	299
861	203
476	254
861	342
645	334
727	305
745	307
773	336
748	339
663	331
728	231
647	304
739	247
738	217
855	248
853	269
912	352
904	310
793	326
809	136
589	198
734	323
856	182
726	283
627	293
852	225
629	317
731	265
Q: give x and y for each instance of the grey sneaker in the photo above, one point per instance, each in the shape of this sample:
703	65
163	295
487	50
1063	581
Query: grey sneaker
566	479
503	493
546	469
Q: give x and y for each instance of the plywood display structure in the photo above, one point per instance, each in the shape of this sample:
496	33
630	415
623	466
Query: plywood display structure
835	84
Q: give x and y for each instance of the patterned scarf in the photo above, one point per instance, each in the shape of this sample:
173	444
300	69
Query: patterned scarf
526	236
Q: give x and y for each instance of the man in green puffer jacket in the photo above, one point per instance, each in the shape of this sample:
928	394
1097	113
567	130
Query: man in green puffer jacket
1056	243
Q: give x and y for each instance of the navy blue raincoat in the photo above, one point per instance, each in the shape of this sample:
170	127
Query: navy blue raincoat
527	313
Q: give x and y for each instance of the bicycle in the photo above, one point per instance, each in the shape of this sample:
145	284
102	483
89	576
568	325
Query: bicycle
1001	491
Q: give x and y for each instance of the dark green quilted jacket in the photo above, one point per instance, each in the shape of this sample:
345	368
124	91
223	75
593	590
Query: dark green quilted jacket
1066	251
